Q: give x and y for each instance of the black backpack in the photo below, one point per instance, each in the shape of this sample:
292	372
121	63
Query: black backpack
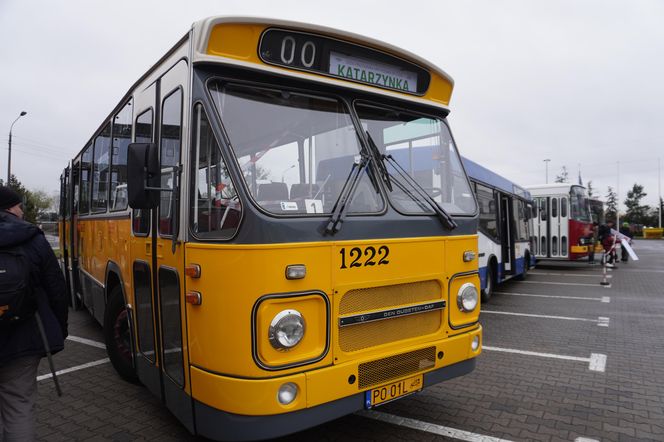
17	298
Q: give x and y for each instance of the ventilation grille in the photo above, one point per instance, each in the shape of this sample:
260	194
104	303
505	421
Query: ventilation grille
376	298
362	336
385	370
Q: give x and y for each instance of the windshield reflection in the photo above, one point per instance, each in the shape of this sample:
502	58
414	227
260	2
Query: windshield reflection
295	150
424	148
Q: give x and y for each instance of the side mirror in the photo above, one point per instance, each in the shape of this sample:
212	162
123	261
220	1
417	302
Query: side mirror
143	175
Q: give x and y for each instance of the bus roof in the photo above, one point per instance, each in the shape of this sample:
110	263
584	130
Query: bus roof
487	177
235	40
544	189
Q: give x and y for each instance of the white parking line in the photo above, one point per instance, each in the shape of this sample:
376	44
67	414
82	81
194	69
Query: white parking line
596	361
85	341
70	369
561	283
604	299
428	427
600	321
584	275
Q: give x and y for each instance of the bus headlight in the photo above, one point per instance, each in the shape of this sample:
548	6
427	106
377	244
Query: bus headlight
467	297
286	329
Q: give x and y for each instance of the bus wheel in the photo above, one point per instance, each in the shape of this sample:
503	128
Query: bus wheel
487	292
117	336
526	267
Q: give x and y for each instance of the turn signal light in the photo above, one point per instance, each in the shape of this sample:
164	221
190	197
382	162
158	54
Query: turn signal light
193	271
193	298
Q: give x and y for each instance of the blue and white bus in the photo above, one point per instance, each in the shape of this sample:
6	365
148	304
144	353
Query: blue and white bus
503	233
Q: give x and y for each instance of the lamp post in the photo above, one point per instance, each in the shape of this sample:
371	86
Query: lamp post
546	161
9	153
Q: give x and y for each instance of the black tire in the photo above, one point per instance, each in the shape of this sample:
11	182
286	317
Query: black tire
487	292
117	336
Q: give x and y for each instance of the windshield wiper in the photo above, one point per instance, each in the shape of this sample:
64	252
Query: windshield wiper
350	185
444	217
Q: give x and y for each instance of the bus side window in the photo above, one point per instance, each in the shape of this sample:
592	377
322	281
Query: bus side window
121	138
554	207
86	170
215	207
169	157
563	207
100	170
488	214
141	217
542	208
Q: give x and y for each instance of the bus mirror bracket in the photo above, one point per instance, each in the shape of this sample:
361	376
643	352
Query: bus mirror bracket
143	176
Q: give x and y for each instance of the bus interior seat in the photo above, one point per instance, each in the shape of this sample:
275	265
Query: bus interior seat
272	192
303	190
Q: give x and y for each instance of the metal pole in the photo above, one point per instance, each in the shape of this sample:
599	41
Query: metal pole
659	189
9	157
546	161
9	154
618	193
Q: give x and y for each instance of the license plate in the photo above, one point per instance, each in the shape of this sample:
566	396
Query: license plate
389	392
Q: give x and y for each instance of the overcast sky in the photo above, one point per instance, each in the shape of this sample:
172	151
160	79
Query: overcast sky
578	82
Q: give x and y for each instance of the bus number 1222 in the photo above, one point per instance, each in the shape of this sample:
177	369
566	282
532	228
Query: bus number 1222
356	253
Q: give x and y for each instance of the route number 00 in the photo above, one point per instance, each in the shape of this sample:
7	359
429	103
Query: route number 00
289	50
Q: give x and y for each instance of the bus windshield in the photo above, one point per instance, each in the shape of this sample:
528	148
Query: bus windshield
295	150
580	204
423	147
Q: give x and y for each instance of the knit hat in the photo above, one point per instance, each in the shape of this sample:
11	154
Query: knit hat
8	198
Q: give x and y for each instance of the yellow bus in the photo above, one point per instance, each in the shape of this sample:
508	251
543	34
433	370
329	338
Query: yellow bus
249	227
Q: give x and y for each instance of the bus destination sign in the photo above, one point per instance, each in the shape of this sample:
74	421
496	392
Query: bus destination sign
372	72
340	59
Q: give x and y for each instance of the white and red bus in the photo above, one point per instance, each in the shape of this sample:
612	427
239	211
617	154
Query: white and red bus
562	224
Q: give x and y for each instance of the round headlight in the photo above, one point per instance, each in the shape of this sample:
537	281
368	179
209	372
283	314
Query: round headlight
467	297
286	329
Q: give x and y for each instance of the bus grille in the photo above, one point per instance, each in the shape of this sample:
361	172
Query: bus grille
362	336
384	370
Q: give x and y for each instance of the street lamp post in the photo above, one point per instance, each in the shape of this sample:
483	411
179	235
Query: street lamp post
9	153
546	161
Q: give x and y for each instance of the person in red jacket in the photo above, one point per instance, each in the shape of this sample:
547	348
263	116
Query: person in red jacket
21	343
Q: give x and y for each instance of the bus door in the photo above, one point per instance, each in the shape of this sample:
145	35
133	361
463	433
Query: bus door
507	234
542	227
554	226
159	255
73	234
169	258
563	232
66	232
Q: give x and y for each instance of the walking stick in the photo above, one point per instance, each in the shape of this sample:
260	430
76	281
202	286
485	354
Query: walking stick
48	353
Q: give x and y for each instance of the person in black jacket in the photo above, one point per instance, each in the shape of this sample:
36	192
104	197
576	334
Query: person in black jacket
21	344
